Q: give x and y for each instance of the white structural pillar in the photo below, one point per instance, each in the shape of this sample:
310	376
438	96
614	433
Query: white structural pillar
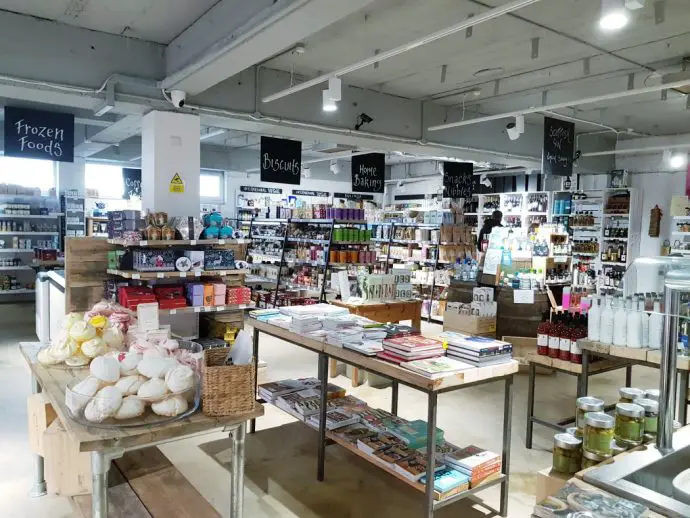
170	153
71	175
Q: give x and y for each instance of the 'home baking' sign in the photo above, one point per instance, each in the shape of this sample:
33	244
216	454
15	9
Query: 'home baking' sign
368	172
39	134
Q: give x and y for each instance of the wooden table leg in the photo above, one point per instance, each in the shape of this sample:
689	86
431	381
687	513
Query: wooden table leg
356	382
332	368
417	322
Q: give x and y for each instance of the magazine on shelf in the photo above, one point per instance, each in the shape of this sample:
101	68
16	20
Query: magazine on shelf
372	444
414	467
413	433
435	368
399	330
354	432
393	455
336	418
413	343
367	348
448	482
480	346
394	358
486	362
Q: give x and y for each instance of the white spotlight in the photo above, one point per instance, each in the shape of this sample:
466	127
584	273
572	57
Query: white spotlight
335	88
614	15
520	124
328	103
306	172
512	130
679	160
335	168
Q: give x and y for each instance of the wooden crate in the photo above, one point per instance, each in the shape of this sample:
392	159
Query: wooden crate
548	482
41	415
67	470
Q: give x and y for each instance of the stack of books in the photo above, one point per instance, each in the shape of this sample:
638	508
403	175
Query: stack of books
415	467
303	324
448	482
398	330
410	348
365	347
412	433
478	464
271	391
478	351
435	368
336	418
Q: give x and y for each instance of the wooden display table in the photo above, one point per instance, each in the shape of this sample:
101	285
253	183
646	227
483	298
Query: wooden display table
432	389
106	445
393	311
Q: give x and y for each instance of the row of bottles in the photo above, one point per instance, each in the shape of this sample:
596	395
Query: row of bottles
583	219
586	247
617	228
561	207
623	322
558	275
491	203
615	254
512	221
537	203
558	338
512	203
611	277
561	248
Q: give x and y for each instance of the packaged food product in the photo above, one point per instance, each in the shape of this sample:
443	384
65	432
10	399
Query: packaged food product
629	394
584	405
590	460
651	414
617	448
574	430
598	433
630	422
567	453
651	394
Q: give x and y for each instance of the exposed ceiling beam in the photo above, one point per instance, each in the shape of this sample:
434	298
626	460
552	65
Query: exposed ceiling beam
118	131
196	61
382	56
566	104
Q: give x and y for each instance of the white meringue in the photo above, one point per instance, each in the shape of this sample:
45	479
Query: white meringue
82	331
131	407
153	389
128	363
113	337
129	385
105	368
77	360
70	319
169	344
44	357
179	379
62	350
78	396
156	351
171	406
156	367
104	404
94	347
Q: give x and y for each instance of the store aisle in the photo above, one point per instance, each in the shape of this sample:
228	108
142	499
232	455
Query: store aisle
470	416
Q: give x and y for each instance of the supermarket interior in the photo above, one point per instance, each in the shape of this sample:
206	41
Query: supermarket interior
282	259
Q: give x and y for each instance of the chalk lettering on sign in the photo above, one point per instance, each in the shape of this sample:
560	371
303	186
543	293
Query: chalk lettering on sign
54	136
459	180
274	164
281	160
559	148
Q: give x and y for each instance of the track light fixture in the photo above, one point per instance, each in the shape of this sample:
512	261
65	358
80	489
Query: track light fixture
517	128
329	104
614	15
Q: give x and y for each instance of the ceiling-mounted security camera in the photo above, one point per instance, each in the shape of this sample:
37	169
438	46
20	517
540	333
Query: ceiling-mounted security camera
363	119
178	98
335	167
513	133
484	180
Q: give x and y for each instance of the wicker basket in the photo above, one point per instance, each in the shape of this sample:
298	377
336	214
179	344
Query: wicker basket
227	389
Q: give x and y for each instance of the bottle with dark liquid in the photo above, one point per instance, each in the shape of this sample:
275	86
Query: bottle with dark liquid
543	335
554	336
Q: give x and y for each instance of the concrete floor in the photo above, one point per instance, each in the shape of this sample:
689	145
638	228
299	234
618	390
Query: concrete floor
471	416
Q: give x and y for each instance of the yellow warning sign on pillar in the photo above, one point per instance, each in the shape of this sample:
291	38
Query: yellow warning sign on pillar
177	184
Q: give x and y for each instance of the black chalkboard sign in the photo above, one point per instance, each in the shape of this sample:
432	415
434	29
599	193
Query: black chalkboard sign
39	134
459	180
352	196
559	147
132	181
368	172
281	160
262	190
300	192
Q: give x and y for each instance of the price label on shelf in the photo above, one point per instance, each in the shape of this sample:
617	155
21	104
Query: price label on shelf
136	276
222	273
160	275
173	312
208	308
523	297
192	242
221	241
143	243
197	309
197	274
183	274
220	308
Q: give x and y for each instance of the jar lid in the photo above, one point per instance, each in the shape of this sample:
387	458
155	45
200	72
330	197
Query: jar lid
630	392
652	394
590	404
629	410
593	456
572	430
600	420
617	448
649	405
566	441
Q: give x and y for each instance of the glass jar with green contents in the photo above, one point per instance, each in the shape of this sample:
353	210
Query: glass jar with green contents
598	433
584	405
590	460
574	430
567	453
651	394
616	448
629	424
651	415
629	394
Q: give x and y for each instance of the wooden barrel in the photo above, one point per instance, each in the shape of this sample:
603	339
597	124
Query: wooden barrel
519	319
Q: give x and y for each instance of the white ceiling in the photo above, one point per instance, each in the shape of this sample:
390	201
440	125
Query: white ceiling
568	33
152	20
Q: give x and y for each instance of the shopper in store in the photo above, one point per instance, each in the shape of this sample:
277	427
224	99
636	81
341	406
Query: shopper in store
489	224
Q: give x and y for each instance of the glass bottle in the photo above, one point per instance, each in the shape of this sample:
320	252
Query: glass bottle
554	336
620	323
543	335
644	319
606	323
634	326
594	320
564	340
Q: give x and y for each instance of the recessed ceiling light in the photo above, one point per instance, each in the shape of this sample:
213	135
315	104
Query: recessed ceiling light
614	15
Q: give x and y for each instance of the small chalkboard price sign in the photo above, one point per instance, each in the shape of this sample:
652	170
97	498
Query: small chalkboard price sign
318	194
368	172
459	180
39	134
281	160
262	190
132	180
352	196
559	147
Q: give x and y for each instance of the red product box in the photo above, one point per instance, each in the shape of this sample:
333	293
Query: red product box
131	296
172	303
169	291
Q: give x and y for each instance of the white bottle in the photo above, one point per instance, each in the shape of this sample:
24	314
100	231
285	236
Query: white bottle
594	320
644	319
634	325
606	324
656	326
620	323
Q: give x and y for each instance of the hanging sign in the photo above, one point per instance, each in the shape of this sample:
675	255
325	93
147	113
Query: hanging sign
262	190
459	180
281	160
353	196
177	184
559	147
132	180
39	134
320	194
368	172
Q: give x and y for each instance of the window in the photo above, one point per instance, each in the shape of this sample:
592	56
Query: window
106	179
212	186
27	172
